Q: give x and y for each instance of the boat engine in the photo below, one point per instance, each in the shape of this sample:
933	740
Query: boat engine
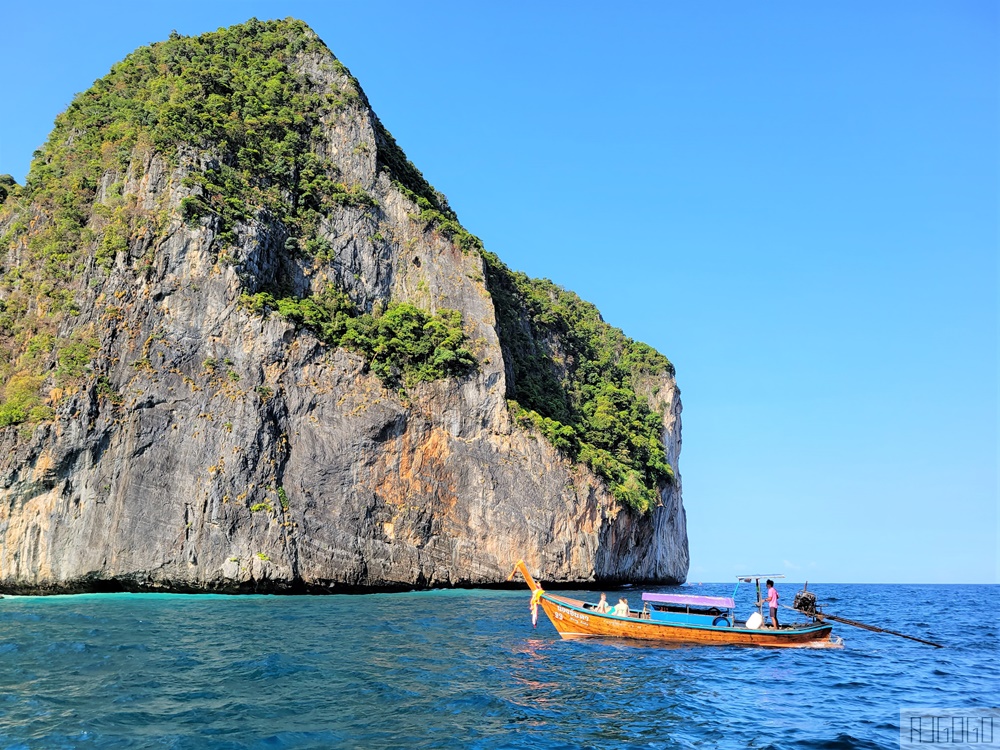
805	601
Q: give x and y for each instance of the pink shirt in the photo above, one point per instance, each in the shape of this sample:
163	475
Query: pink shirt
772	598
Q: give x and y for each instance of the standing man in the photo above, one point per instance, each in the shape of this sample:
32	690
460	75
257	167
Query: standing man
772	602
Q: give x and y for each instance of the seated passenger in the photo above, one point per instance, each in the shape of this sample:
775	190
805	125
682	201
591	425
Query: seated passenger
603	606
621	608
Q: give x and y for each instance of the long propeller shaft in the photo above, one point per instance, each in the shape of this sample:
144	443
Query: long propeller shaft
854	623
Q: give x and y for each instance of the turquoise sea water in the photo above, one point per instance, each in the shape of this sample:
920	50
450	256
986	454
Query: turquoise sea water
456	669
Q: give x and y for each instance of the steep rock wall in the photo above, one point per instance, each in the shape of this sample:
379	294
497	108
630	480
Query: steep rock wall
223	450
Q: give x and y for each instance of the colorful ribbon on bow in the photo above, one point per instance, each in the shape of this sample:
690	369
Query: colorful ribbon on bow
536	596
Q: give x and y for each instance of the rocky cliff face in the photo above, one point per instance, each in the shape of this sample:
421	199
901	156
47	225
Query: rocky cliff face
175	437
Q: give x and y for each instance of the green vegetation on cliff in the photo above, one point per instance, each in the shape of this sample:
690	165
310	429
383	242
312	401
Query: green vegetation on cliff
7	184
236	105
573	377
435	213
233	96
403	345
230	100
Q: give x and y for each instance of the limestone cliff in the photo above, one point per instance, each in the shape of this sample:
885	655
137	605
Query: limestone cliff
177	418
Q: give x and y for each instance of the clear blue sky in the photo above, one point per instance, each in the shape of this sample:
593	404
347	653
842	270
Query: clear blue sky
797	203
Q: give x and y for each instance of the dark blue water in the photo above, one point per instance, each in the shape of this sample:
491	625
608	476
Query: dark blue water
461	669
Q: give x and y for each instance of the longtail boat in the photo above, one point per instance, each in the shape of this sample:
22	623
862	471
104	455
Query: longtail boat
674	619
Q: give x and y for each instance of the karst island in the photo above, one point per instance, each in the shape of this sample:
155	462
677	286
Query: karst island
246	347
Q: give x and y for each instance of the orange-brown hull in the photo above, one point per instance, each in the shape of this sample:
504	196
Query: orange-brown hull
571	620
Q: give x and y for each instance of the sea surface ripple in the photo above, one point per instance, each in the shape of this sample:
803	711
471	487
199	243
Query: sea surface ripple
465	669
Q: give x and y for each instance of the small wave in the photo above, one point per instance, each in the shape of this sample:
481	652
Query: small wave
66	648
300	739
9	616
141	647
841	742
273	665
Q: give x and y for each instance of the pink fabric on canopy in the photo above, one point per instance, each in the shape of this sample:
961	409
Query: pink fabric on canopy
692	601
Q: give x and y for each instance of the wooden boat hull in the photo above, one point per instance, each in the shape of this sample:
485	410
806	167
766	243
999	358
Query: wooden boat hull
571	620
